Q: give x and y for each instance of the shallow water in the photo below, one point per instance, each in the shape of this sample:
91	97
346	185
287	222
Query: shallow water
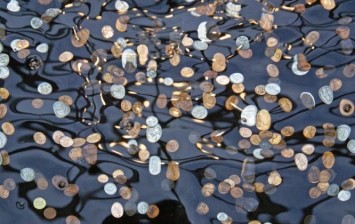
94	110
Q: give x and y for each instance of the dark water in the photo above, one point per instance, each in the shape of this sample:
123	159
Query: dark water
289	204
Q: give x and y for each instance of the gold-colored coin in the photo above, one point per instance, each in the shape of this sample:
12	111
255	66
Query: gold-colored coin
275	139
328	159
285	104
277	55
102	178
272	70
5	158
287	153
260	90
287	131
4	93
202	208
50	213
266	21
209	100
93	138
335	84
66	99
3	110
57	135
66	141
238	87
274	178
272	42
314	192
236	192
328	4
125	192
259	187
263	120
40	138
255	139
37	103
218	62
143	154
4	193
175	112
116	50
71	190
233	99
245	132
8	128
79	142
172	145
265	135
323	186
325	176
309	131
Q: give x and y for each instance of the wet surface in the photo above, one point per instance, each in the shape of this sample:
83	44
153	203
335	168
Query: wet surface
202	157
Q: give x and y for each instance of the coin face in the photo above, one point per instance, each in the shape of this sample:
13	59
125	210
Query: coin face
263	120
248	115
42	48
154	133
61	109
272	89
40	138
326	94
242	43
117	91
301	161
154	165
117	210
3	140
343	132
4	59
199	112
333	190
39	203
110	188
173	171
142	207
151	121
344	195
27	174
236	78
4	72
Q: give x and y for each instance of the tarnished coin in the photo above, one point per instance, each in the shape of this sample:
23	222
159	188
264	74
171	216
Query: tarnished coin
346	107
154	133
3	140
154	165
349	70
311	38
187	72
314	192
344	195
110	188
313	174
80	38
301	161
117	91
44	88
142	207
307	100
61	109
172	145
272	89
248	115
39	203
263	120
326	94
199	112
328	159
9	184
117	210
343	132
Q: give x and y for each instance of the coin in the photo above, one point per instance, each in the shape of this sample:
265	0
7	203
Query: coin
27	174
153	211
314	192
65	56
199	112
328	4
107	31
39	203
202	208
311	38
117	91
328	159
40	138
154	165
4	59
71	219
80	38
248	115
42	48
335	84
263	120
42	183
117	210
59	182
236	78
66	141
61	109
4	72
242	43
309	132
272	89
344	195
4	193
71	190
346	107
313	174
301	161
50	213
8	128
333	190
326	94
93	138
110	188
221	216
308	149
343	132
351	145
266	21
142	207
121	6
172	145
173	171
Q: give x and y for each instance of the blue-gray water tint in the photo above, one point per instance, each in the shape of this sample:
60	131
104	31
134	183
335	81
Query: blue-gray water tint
289	204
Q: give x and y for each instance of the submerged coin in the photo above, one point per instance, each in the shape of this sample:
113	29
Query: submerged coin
117	210
351	145
344	195
4	59
307	100
39	203
272	89
110	188
326	94
242	43
44	88
263	120
142	207
4	72
3	140
154	165
343	132
154	133
27	174
117	91
61	109
301	161
248	115
199	112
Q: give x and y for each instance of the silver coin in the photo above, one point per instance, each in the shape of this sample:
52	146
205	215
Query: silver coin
221	216
110	188
1	47
333	190
154	133
151	121
236	78
168	81
13	6
122	42
348	219
4	72
202	32
42	48
351	145
4	59
199	112
27	174
130	208
142	207
1	160
36	23
248	116
53	12
121	5
44	88
307	100
129	55
272	89
326	94
14	45
344	195
3	140
61	109
117	91
154	165
242	43
256	153
151	74
132	142
233	9
343	132
200	45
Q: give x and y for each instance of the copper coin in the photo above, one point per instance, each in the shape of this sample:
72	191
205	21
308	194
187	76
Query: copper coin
314	192
8	128
4	93
75	153
5	158
57	135
285	104
71	190
309	132
42	183
80	38
23	53
265	135
202	208
4	193
126	105
37	103
153	211
9	184
246	54
173	171
335	84
50	213
93	138
187	72
90	153
40	138
125	192
143	154
79	142
238	87
244	144
206	86
328	159
313	174
270	98
287	153
236	192
328	142
172	145
287	131
349	70
3	110
245	132
272	70
324	176
255	139
346	107
233	99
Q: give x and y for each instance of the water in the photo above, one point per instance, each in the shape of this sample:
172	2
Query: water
95	111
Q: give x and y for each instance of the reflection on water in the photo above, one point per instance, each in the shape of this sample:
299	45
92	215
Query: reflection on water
240	127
